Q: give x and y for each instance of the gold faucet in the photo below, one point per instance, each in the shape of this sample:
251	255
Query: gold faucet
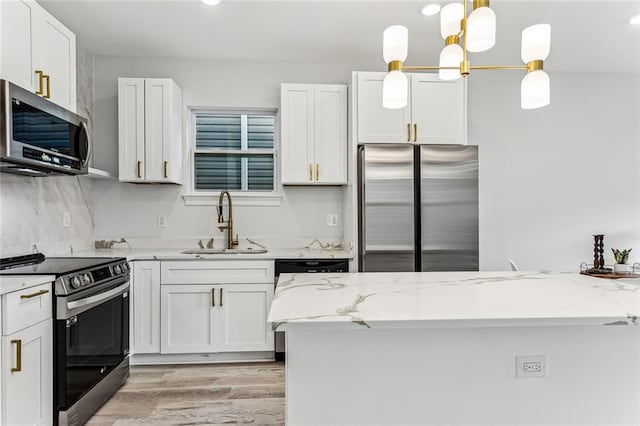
229	226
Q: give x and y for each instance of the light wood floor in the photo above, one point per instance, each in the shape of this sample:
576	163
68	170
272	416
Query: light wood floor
198	394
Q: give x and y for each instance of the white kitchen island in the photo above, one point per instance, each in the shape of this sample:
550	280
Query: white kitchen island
441	348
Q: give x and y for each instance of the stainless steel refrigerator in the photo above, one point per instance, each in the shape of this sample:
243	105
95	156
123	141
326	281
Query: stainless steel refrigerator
418	208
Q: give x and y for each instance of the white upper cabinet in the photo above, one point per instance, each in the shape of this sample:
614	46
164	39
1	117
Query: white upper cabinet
150	130
314	134
374	122
438	110
435	111
38	52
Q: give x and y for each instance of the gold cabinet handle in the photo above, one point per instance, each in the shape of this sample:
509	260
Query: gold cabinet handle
18	366
40	75
139	169
408	132
32	295
317	171
213	297
310	171
47	78
166	174
415	133
220	296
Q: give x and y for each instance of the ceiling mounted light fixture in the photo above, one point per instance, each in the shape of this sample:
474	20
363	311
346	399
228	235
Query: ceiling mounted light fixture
430	9
463	33
211	2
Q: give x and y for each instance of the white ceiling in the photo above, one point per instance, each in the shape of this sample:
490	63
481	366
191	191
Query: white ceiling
590	36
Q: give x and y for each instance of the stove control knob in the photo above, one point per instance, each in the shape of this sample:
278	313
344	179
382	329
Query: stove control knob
75	282
125	267
86	279
117	269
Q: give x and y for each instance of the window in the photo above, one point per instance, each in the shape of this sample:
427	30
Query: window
234	151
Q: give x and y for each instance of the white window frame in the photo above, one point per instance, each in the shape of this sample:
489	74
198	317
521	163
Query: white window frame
245	197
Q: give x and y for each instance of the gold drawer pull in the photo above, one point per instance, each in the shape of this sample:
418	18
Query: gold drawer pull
40	75
213	297
408	132
18	366
317	171
48	80
310	171
166	174
221	296
31	296
139	169
415	133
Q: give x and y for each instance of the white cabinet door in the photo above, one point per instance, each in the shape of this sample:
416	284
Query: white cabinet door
131	129
242	323
27	395
297	115
15	43
146	307
188	323
438	111
377	124
331	134
54	53
157	101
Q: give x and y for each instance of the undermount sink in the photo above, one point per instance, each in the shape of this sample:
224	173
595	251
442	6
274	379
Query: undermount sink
226	251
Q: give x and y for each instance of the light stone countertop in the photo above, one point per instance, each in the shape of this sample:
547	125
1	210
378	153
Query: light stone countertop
176	254
453	299
11	283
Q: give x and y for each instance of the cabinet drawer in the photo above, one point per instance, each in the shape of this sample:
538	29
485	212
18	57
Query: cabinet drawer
23	308
217	272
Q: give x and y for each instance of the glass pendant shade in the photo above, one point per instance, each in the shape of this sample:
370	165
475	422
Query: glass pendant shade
536	42
450	17
535	91
395	89
395	44
451	56
481	30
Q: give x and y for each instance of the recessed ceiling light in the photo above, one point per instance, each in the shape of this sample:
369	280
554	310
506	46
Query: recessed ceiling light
635	20
211	2
430	9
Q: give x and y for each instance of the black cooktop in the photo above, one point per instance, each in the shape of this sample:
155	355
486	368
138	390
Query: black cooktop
38	264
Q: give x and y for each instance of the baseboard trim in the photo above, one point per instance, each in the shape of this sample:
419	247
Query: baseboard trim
160	359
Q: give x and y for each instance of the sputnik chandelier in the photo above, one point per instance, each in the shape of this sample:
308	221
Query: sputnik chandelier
477	33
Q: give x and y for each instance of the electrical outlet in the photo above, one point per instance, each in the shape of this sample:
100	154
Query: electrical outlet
162	221
66	220
531	366
332	219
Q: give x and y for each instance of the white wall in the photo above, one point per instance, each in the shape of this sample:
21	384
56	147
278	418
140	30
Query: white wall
552	177
130	210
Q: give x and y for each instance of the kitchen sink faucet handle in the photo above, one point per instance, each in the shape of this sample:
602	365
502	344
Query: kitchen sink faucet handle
200	244
210	244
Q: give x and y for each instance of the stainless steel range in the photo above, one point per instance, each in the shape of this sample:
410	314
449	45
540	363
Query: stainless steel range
91	329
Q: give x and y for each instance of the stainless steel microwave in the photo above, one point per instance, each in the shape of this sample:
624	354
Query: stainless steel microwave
40	138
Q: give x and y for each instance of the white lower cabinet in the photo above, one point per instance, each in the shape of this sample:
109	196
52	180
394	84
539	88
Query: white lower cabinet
191	307
26	358
146	307
203	318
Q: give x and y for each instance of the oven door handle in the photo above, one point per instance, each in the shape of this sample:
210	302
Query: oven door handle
84	304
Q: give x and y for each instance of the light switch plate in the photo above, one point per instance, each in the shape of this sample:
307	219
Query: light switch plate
66	220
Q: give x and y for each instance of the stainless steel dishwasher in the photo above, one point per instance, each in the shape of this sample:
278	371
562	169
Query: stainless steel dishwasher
299	266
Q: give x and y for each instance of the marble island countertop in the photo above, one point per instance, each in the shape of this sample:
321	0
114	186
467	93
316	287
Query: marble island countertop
453	299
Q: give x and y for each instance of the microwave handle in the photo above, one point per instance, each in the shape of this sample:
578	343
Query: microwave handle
89	143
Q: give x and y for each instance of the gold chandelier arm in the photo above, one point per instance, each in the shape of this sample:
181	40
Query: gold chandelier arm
427	67
499	67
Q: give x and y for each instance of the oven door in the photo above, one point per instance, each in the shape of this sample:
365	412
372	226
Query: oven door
92	338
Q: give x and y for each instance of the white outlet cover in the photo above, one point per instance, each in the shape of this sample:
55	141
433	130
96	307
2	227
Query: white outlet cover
162	221
332	219
526	366
66	220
